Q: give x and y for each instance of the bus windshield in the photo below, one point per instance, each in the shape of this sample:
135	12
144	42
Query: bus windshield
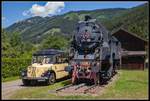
43	59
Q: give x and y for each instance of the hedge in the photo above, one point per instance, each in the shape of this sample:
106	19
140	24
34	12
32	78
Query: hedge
13	66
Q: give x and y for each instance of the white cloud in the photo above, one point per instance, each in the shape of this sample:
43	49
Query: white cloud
3	18
50	8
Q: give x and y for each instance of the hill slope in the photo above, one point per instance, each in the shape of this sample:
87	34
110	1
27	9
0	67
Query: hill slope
37	28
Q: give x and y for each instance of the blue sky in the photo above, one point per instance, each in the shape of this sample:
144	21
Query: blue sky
16	11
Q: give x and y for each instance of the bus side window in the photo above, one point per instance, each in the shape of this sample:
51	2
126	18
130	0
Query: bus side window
59	60
56	59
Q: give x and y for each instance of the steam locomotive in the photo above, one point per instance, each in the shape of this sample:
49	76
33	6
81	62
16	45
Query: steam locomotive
94	53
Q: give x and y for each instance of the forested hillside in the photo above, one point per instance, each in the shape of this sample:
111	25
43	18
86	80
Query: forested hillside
134	20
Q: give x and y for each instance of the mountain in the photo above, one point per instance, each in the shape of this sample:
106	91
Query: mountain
35	29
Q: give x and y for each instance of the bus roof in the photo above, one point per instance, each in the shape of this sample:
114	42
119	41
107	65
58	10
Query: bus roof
47	52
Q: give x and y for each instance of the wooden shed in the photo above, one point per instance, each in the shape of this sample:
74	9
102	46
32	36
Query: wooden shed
132	49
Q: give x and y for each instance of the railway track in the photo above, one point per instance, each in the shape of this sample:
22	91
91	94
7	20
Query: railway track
82	88
78	89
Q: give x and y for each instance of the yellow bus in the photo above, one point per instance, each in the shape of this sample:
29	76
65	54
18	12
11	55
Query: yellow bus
47	66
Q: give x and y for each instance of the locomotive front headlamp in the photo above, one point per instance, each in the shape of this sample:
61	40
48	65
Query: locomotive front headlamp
88	40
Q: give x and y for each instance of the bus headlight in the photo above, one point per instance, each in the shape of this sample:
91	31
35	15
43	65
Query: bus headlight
23	73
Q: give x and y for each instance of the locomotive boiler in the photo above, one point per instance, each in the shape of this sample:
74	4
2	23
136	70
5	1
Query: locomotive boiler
94	53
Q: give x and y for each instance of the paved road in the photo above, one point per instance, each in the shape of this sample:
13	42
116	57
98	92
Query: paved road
8	88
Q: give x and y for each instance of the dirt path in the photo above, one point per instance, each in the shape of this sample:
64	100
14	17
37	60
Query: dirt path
8	88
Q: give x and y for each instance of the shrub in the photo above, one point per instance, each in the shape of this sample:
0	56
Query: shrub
13	66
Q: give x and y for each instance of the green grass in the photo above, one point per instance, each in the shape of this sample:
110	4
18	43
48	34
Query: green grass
131	84
10	78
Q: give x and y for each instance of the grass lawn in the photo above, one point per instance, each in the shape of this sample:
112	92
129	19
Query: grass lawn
10	78
131	84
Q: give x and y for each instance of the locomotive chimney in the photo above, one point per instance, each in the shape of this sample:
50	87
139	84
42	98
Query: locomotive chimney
87	17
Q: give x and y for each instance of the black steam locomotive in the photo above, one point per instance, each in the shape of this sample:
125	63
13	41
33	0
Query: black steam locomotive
94	53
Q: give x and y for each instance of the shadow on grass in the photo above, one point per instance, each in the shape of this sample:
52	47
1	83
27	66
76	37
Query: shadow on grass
64	81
